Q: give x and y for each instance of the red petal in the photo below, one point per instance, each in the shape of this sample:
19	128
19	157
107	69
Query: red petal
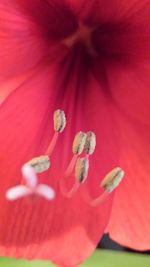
26	29
129	224
21	45
123	31
7	85
130	219
65	230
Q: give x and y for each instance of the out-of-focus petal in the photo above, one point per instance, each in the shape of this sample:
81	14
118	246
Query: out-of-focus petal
21	43
28	30
130	218
124	31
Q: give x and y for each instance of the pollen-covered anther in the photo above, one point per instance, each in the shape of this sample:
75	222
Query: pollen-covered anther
78	143
40	164
59	120
81	169
90	143
112	179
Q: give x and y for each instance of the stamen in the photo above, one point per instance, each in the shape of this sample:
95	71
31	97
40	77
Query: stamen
81	169
69	192
81	173
59	120
109	183
40	164
90	143
78	143
112	179
59	125
71	166
52	144
77	149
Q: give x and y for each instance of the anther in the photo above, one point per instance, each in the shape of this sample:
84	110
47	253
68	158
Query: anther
81	169
109	183
59	120
39	164
81	173
112	179
78	143
77	149
59	125
90	143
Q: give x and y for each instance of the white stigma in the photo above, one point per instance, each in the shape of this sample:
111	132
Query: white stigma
29	175
17	192
45	191
31	186
112	179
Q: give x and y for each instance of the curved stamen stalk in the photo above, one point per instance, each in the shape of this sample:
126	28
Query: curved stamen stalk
52	144
68	193
81	173
77	149
71	165
109	183
94	202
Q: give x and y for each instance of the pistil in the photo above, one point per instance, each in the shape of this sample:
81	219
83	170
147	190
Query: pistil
31	186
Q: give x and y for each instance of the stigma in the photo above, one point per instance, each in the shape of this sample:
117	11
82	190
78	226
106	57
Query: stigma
83	148
31	187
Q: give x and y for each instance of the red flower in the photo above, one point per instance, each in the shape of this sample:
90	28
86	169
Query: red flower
92	60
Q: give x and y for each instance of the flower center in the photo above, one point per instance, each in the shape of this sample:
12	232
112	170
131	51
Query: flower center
84	35
83	147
